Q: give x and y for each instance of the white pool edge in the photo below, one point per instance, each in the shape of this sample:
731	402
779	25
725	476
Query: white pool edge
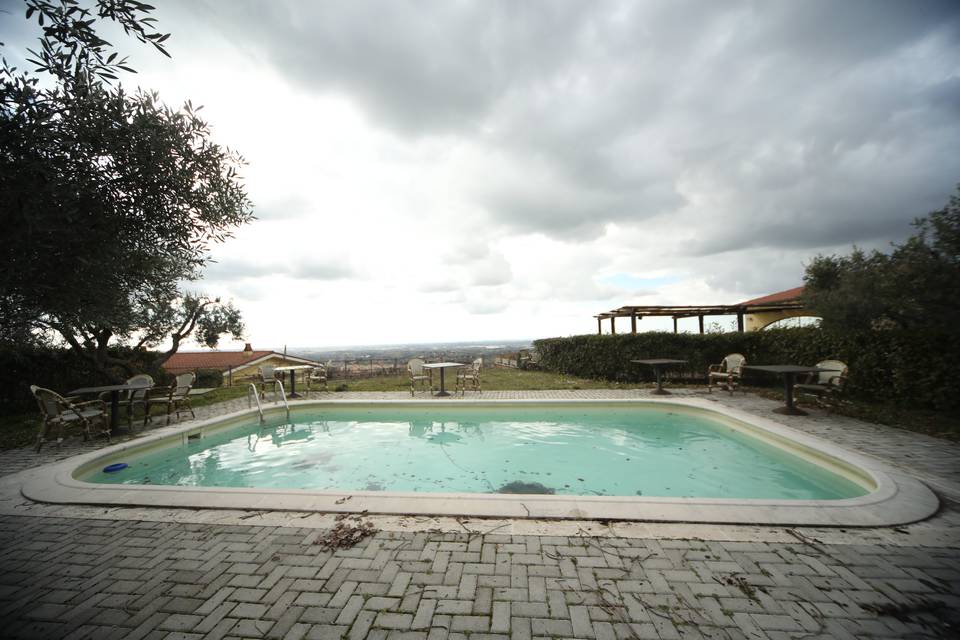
897	498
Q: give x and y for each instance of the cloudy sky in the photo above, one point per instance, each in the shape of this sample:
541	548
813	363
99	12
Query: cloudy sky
453	170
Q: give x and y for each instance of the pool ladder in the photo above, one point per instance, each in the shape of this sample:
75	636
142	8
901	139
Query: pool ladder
283	396
256	397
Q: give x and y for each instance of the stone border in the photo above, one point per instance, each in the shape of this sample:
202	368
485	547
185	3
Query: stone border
895	499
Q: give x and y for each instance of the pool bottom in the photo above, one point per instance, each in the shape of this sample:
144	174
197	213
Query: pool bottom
571	451
897	498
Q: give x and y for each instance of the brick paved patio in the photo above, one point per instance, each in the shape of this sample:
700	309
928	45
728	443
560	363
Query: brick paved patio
87	572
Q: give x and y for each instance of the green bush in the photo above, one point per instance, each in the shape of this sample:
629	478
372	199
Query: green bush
912	368
209	379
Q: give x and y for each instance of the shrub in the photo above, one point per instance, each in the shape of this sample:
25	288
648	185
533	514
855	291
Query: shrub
912	368
209	378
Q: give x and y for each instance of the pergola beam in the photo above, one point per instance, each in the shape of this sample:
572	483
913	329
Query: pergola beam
677	312
694	311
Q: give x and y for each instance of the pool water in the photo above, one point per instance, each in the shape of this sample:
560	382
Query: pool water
578	451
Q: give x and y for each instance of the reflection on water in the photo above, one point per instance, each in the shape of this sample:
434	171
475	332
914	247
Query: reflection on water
419	428
559	451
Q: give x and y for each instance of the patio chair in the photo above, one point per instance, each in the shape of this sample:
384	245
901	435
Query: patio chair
317	375
826	384
176	399
470	376
130	399
268	377
60	412
726	374
419	375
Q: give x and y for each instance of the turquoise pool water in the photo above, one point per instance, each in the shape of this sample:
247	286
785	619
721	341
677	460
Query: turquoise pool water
584	451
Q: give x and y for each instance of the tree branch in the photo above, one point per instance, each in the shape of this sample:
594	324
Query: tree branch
186	328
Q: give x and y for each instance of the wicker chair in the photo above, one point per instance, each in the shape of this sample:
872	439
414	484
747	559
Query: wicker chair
176	399
826	384
470	376
59	412
419	375
317	375
267	377
130	399
726	374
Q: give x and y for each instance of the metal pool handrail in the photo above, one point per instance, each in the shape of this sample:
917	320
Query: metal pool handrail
283	396
256	396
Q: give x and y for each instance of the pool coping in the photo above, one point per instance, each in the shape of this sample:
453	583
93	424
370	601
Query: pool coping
897	498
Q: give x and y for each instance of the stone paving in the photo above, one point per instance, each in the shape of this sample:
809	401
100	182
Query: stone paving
87	572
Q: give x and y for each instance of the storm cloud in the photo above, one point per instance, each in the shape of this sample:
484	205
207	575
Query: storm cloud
834	121
517	158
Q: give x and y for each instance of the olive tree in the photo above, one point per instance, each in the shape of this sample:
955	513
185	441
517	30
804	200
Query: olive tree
109	200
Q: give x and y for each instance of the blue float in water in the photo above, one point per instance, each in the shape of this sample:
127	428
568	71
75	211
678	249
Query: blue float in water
115	467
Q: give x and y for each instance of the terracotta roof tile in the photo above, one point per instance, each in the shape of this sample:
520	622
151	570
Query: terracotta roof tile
189	360
780	296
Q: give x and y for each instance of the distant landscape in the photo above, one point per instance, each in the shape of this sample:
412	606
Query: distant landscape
471	349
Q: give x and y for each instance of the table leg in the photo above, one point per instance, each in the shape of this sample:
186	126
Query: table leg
293	385
660	391
443	391
788	409
114	411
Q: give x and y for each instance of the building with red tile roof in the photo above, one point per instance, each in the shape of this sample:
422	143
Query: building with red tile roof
790	295
235	365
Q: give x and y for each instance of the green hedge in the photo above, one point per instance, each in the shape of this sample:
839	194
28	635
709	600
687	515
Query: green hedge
915	369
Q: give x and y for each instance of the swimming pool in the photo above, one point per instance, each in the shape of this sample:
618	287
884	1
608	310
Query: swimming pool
547	450
689	460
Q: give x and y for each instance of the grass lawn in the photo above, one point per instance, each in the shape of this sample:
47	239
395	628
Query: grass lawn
21	430
493	380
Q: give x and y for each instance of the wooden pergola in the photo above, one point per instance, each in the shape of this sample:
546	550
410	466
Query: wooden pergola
783	301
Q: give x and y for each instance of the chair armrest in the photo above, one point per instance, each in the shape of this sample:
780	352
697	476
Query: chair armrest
99	404
714	368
